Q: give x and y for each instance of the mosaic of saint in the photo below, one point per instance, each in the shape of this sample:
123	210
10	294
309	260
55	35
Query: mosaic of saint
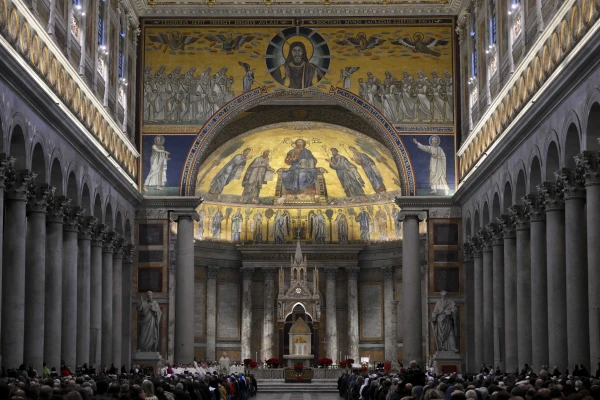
300	164
402	67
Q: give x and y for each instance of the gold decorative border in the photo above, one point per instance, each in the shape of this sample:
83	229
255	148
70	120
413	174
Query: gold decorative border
564	37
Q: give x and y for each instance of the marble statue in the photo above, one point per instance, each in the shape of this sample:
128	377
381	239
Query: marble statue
149	324
444	319
224	362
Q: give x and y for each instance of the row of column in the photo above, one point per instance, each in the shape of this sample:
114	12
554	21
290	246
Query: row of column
56	283
331	328
533	296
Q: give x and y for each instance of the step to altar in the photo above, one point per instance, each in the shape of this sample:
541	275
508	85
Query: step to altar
280	386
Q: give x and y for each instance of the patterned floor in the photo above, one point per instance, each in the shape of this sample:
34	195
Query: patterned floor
298	396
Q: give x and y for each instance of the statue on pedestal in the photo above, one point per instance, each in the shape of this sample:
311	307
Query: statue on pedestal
444	319
149	324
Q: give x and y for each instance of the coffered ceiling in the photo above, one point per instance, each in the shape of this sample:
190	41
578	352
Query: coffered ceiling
287	8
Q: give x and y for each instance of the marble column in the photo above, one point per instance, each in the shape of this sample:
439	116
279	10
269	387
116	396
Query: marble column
524	335
388	297
556	271
412	335
498	290
73	217
35	279
53	294
117	300
467	249
83	288
352	273
534	207
268	325
98	235
211	313
478	301
13	274
488	297
394	310
6	164
331	317
247	274
108	245
184	288
126	322
511	361
578	328
589	162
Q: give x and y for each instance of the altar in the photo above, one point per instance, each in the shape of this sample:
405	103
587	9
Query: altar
298	313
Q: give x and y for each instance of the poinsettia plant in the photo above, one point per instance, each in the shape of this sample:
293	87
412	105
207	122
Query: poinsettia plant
298	367
325	362
247	361
343	364
253	364
273	362
350	361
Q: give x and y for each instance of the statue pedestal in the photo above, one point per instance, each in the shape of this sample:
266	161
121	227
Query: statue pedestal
293	359
446	362
147	359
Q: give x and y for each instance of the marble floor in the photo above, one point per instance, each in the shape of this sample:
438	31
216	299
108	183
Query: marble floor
297	396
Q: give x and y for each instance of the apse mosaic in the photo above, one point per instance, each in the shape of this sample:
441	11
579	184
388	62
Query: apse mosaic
307	181
195	71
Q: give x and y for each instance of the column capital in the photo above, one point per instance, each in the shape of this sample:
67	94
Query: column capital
420	215
6	162
352	272
98	233
247	273
330	272
476	245
589	163
535	207
211	272
108	241
520	217
572	182
388	272
176	216
118	246
485	238
128	253
17	184
553	196
507	225
495	230
269	273
467	249
55	211
73	216
87	227
38	196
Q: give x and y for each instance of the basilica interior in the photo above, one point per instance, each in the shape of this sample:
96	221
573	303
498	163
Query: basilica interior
382	181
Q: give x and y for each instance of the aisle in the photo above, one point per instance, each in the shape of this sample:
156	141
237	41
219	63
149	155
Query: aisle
297	396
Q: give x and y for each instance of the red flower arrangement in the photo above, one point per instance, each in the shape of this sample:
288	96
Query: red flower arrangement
325	362
298	367
343	364
350	361
253	364
273	362
247	361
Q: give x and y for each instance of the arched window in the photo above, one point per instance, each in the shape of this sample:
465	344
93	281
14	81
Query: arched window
121	60
101	16
493	24
474	53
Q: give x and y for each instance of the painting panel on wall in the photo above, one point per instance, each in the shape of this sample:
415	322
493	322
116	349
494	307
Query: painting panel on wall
433	163
162	160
